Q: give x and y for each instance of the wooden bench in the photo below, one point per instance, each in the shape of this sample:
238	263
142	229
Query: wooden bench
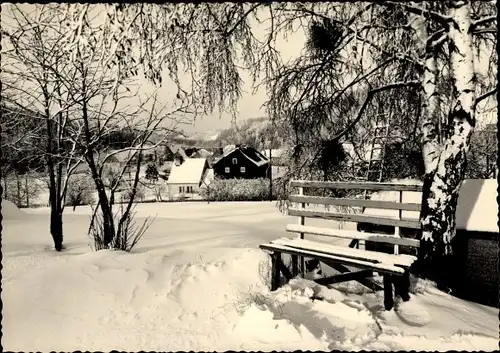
393	267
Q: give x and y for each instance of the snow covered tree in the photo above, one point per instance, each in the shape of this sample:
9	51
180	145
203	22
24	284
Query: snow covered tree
31	62
429	48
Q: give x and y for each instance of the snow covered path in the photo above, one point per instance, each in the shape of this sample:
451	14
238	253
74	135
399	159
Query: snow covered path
198	282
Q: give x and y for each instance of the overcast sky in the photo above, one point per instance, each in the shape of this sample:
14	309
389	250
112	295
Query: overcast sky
249	105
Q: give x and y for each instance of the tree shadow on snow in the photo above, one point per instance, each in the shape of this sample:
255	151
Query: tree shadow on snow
301	314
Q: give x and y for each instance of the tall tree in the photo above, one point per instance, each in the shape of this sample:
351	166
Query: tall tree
101	91
418	48
30	67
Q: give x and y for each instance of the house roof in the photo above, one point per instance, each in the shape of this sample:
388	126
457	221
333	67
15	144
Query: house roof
189	172
203	153
250	153
180	151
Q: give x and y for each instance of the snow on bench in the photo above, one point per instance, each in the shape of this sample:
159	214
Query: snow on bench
394	267
361	262
364	255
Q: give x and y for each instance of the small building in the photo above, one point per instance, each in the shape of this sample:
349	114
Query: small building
242	162
186	178
475	245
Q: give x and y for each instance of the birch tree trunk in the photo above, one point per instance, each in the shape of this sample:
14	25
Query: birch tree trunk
439	222
444	174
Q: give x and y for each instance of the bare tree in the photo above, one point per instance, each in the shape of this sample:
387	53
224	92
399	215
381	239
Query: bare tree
423	48
30	67
101	89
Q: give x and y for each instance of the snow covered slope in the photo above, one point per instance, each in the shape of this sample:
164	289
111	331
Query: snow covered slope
198	282
10	211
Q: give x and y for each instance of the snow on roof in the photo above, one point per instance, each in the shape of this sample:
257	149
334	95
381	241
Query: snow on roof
254	156
189	172
250	153
204	153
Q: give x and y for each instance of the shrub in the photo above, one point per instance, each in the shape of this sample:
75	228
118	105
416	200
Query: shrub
152	173
128	233
80	188
22	189
237	190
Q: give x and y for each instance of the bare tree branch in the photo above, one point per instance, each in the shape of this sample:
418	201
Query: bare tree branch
485	95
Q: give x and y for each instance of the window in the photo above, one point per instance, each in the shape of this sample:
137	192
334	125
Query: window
226	169
242	169
181	189
189	189
235	160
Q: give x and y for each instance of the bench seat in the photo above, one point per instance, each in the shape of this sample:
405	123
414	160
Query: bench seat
344	251
379	262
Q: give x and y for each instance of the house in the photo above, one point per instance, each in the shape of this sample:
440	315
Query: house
187	177
180	156
168	153
242	162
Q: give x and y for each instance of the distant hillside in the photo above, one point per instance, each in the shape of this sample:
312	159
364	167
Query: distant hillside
257	132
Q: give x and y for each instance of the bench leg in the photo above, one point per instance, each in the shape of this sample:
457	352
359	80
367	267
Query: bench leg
295	265
388	299
402	286
275	270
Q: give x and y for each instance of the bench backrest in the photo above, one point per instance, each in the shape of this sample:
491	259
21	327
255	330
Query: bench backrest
395	219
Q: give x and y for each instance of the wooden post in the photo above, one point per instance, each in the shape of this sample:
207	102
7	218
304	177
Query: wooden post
275	270
396	229
295	265
402	286
302	222
388	299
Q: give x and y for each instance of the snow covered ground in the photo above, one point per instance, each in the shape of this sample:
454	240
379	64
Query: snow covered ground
197	281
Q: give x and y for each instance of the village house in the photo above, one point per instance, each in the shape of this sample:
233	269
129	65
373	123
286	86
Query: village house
186	178
242	162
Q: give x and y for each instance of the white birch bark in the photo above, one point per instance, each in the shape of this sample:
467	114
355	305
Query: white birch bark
429	98
438	222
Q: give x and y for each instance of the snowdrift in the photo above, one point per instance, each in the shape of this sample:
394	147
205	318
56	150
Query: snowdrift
219	301
198	288
11	212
